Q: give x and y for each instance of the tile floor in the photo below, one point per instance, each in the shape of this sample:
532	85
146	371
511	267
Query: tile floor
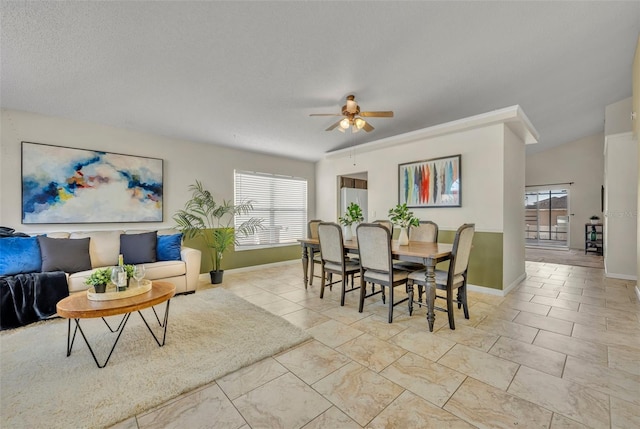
562	350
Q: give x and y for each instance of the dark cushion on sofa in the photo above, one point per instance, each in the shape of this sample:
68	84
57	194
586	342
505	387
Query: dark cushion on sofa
70	255
168	247
139	248
19	255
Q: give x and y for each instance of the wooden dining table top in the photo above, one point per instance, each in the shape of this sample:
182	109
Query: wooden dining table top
416	249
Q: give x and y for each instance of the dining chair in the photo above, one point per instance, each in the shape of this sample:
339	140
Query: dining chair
386	223
427	231
376	267
334	258
312	232
455	278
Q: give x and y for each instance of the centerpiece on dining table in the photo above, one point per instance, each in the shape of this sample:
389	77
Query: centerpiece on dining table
402	217
353	215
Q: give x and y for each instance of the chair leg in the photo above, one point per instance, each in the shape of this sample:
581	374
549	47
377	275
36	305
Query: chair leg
344	287
324	282
313	263
330	281
452	324
463	293
410	293
390	303
363	291
420	290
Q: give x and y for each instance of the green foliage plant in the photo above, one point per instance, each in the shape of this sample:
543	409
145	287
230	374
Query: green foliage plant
353	215
402	217
202	213
101	276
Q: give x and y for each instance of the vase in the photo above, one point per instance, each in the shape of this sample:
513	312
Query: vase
348	232
403	239
100	288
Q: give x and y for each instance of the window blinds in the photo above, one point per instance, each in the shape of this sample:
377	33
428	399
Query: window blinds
281	201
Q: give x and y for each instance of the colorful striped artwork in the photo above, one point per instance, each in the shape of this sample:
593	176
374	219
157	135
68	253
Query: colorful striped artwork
67	185
430	183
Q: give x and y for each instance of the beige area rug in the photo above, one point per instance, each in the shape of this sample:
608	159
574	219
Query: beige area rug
210	333
564	257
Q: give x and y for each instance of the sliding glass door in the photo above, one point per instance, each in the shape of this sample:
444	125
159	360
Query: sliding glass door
547	218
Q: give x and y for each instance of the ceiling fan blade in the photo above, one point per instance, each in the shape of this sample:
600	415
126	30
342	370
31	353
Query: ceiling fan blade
325	114
367	127
388	114
333	126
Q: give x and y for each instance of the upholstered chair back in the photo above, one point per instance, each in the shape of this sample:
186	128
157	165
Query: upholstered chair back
374	246
426	231
462	247
386	223
331	247
312	228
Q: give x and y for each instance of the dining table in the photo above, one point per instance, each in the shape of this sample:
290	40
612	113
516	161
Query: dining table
426	253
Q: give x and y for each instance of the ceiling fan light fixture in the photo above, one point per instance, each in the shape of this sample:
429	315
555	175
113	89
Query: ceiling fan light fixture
352	106
358	123
344	124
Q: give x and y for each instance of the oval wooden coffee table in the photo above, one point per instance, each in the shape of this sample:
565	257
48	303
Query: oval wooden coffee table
78	306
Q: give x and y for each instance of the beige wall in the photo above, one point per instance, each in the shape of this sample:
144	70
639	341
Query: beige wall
513	210
481	182
617	117
184	162
581	162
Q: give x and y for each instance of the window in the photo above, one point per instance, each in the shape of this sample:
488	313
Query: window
280	200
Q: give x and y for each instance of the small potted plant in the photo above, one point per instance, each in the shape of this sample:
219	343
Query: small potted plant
402	217
353	215
99	279
594	220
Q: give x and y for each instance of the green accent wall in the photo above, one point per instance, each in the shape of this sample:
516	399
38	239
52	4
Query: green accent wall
246	258
485	262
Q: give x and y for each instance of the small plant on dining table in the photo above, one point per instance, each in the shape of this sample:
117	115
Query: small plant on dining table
353	215
402	217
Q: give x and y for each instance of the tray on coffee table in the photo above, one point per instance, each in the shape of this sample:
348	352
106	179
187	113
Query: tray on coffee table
112	293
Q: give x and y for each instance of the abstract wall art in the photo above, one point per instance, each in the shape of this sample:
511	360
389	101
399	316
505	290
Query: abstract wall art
67	185
430	183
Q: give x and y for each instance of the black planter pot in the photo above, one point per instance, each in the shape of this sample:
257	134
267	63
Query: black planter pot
100	288
216	277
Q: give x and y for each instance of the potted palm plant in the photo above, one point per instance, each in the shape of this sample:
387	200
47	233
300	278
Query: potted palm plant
402	217
203	217
353	215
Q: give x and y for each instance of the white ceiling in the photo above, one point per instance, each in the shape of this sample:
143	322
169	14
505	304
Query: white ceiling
248	74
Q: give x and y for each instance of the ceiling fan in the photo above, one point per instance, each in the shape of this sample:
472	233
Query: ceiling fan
353	117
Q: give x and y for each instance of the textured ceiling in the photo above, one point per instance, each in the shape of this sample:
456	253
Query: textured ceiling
248	74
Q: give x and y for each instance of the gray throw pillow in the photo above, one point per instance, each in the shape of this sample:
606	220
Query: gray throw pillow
138	248
70	255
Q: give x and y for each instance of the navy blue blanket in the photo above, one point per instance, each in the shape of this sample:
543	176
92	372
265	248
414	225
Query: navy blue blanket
28	298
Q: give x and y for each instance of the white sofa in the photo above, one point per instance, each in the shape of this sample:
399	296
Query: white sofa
104	248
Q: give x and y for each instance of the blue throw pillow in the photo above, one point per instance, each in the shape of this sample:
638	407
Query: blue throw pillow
19	255
168	247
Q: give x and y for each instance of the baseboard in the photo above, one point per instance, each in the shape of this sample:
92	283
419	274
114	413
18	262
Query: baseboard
515	283
484	289
205	276
620	276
